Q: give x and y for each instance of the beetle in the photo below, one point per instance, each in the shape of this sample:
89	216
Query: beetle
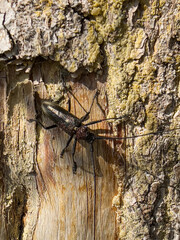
76	129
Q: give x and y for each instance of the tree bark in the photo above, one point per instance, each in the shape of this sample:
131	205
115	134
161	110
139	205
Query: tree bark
127	50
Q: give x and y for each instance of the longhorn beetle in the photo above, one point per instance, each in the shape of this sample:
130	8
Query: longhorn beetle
74	127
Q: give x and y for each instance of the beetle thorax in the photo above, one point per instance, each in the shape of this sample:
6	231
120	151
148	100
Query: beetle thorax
83	133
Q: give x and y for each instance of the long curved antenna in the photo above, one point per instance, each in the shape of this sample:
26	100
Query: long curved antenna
77	100
94	174
85	117
136	136
69	91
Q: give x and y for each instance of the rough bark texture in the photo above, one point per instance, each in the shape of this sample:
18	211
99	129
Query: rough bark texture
129	50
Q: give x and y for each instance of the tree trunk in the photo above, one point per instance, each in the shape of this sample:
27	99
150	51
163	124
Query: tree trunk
65	51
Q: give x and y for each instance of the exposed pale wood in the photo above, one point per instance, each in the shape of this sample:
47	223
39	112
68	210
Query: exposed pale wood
67	199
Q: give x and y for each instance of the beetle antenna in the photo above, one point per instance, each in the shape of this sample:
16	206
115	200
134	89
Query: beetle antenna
94	175
136	136
95	95
77	100
86	116
69	91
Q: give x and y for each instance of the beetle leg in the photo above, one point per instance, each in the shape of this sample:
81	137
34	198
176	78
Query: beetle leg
102	120
69	105
47	128
74	168
67	144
